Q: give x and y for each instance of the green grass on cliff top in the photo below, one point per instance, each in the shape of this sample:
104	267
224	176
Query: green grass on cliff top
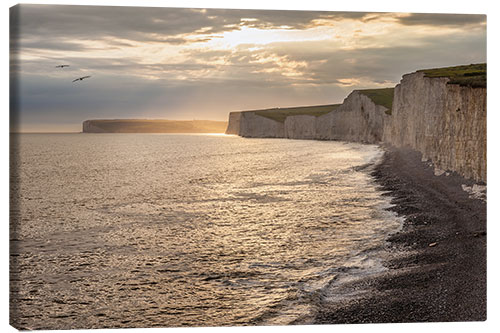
382	97
473	75
280	114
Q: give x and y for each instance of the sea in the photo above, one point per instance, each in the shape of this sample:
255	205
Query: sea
168	230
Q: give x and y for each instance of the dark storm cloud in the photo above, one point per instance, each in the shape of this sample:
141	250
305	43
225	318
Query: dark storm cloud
443	19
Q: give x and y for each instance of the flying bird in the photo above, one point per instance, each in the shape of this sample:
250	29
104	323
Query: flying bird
62	66
81	78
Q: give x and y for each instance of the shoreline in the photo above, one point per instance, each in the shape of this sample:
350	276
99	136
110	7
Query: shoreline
436	262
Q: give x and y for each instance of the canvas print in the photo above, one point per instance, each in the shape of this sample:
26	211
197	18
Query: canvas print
226	167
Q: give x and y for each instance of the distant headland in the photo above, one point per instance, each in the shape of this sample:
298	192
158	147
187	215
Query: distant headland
153	126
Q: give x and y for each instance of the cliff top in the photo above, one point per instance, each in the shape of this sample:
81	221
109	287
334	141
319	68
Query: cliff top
383	96
473	75
280	114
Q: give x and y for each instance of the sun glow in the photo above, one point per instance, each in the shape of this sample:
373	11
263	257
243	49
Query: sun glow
260	37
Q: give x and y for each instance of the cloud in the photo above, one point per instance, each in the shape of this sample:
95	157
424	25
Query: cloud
53	23
154	24
438	20
385	63
52	45
272	19
93	22
195	63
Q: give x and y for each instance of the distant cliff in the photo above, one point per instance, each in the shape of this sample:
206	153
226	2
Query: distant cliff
275	122
251	125
438	112
153	126
233	125
358	119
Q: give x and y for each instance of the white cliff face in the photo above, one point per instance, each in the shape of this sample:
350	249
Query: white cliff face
358	119
255	126
300	127
445	122
233	125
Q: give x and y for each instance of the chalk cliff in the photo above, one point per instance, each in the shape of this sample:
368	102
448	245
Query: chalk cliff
358	119
233	125
300	127
252	125
445	122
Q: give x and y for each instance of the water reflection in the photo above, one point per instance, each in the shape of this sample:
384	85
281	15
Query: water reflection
198	230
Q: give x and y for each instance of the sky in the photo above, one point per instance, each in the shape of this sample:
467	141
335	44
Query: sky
181	63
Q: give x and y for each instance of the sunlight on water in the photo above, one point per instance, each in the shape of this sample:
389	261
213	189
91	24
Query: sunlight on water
131	230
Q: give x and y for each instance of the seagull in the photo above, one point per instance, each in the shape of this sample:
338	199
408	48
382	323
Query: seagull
81	78
62	66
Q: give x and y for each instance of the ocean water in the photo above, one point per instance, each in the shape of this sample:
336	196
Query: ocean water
145	230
